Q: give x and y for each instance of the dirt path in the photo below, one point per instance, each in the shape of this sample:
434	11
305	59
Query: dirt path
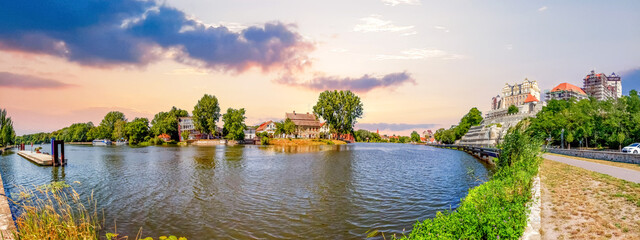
618	172
582	204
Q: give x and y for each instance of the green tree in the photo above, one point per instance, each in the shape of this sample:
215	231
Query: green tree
7	134
288	127
513	109
340	109
415	137
167	122
185	135
234	125
206	113
137	130
109	121
119	130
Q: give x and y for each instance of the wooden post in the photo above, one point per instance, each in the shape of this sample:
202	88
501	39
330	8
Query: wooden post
62	163
54	152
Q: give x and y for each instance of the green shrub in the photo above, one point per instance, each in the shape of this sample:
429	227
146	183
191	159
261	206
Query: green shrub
496	209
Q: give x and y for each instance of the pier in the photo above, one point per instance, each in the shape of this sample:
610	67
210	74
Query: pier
38	158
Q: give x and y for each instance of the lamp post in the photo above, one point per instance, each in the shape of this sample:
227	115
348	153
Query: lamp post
562	137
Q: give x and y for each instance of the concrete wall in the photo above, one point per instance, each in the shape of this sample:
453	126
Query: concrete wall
602	155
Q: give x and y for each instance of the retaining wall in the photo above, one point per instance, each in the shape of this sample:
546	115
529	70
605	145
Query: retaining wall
601	155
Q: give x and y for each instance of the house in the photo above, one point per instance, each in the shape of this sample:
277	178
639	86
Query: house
325	130
165	137
269	127
307	125
250	133
566	91
423	139
186	124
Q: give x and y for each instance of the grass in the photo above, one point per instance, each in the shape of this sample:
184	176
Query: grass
496	209
610	163
55	211
582	204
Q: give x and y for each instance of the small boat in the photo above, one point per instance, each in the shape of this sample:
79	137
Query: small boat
101	142
122	142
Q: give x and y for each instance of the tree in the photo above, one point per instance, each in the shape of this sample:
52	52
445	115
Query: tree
289	127
167	122
137	130
185	135
119	130
206	113
415	137
109	123
7	134
99	132
513	109
340	109
234	126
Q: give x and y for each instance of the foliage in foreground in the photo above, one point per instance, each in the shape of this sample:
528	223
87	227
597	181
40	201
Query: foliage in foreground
496	209
55	211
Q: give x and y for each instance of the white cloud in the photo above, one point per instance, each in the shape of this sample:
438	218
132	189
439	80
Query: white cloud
375	23
339	50
398	2
442	28
187	71
542	9
509	47
421	53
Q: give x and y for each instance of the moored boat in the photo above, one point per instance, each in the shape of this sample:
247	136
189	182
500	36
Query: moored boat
101	142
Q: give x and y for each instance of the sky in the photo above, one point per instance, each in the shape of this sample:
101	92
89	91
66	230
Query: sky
415	64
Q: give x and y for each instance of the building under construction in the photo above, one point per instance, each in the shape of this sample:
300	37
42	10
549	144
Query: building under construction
603	87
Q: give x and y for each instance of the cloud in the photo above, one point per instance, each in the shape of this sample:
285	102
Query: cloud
394	126
542	9
362	84
398	2
630	80
130	32
375	23
421	53
11	80
509	47
442	28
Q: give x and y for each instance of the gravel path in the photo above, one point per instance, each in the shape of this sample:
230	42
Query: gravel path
618	172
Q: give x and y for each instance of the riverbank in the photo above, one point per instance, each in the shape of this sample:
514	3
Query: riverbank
582	204
7	226
303	142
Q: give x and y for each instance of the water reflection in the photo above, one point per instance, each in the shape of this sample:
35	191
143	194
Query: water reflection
240	192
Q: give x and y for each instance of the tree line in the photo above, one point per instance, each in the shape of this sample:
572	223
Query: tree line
449	136
589	123
340	109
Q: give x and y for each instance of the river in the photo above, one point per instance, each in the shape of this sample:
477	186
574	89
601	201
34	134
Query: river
248	192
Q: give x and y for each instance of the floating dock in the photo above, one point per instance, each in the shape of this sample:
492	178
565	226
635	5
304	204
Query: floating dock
38	158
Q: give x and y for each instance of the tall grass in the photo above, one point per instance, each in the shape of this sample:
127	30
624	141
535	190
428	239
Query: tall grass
55	211
496	209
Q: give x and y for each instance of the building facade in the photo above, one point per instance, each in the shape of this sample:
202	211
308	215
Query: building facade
566	91
516	94
307	125
601	86
269	127
186	124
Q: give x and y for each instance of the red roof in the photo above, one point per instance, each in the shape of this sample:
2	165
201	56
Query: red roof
164	136
263	126
568	87
531	98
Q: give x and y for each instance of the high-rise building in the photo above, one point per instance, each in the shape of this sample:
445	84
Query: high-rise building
603	87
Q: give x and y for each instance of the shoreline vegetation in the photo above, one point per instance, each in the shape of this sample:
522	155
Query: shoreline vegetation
497	209
56	211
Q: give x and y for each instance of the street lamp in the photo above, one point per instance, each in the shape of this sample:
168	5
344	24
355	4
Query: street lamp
562	136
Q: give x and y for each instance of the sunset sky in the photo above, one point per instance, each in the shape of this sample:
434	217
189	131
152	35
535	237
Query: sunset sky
416	64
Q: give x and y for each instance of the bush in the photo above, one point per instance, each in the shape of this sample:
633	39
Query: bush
497	208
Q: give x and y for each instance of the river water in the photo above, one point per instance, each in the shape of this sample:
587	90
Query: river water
248	192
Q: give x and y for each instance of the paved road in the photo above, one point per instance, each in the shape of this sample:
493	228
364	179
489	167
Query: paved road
618	172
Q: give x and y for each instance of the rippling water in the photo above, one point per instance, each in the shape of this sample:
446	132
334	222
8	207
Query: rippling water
317	192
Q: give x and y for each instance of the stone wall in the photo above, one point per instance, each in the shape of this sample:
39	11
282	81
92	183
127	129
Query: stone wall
601	155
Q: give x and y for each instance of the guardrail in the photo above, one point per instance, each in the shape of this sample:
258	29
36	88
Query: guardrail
600	155
481	152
